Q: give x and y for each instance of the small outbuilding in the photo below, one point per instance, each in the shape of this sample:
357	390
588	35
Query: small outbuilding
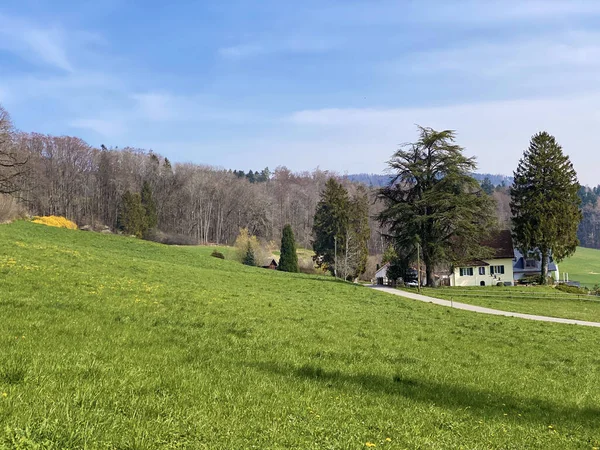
271	265
381	275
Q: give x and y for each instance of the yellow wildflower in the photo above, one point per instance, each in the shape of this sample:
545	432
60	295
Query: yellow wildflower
388	439
4	394
371	444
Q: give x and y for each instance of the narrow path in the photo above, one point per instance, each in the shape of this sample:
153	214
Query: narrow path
481	309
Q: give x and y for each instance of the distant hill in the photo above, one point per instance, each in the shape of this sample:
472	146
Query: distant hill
377	180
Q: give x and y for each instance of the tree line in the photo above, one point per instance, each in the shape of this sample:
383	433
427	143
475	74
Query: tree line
65	176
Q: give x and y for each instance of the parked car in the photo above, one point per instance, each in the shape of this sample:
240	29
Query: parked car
411	284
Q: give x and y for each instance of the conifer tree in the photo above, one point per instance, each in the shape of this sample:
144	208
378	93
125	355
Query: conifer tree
544	202
487	186
288	259
433	203
132	217
249	258
330	224
357	235
149	205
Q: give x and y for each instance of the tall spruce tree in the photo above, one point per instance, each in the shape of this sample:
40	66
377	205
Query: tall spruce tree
132	216
487	186
288	259
330	224
357	234
544	202
433	202
249	258
149	206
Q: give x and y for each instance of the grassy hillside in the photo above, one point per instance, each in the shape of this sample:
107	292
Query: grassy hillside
583	266
111	342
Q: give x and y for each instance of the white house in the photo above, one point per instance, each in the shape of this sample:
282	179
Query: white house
489	272
381	274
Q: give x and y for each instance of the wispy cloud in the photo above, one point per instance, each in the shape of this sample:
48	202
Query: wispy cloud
280	45
564	51
113	128
456	12
495	132
35	42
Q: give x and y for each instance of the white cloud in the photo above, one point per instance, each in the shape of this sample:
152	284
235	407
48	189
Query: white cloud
564	52
495	132
34	42
103	127
156	106
279	45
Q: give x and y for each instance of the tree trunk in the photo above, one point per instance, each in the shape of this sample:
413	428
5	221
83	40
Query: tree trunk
429	275
428	269
544	268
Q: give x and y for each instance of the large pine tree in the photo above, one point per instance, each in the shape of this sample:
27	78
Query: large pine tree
288	259
330	224
357	234
433	202
544	202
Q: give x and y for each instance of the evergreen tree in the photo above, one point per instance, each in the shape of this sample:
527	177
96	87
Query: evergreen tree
433	202
149	205
288	260
249	258
487	186
388	255
330	224
357	235
544	202
265	175
132	218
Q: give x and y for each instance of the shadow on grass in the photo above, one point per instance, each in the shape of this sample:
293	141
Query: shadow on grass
460	397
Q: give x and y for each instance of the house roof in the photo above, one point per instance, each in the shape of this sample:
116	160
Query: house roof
383	269
477	263
520	266
501	242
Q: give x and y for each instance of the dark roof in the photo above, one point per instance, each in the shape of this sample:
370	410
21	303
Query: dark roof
477	263
520	267
501	242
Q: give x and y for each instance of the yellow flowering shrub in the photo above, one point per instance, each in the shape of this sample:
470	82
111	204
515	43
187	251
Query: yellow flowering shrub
55	221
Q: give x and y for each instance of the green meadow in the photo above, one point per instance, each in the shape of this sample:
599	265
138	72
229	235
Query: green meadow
541	300
115	343
583	266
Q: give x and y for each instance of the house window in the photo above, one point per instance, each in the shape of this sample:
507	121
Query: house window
482	271
466	271
497	270
531	263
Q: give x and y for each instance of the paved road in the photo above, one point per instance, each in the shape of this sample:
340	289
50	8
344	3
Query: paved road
480	309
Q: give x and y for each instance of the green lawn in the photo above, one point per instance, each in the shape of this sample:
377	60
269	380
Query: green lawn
583	266
111	342
545	301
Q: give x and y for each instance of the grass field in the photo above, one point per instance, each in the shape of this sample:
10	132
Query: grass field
111	342
583	266
545	301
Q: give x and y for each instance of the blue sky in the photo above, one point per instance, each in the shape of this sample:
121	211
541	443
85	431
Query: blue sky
334	84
